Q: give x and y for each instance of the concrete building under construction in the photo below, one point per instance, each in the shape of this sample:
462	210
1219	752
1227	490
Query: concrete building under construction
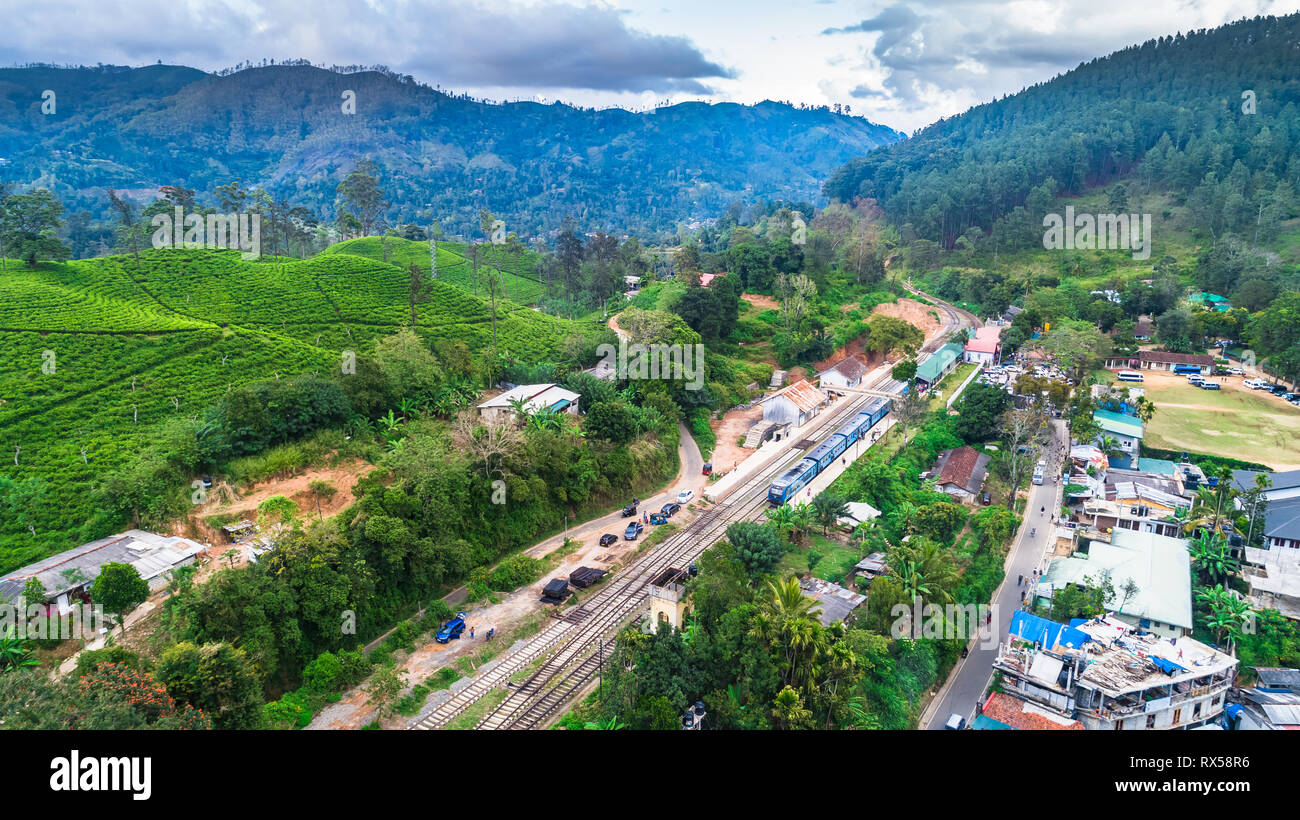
1106	674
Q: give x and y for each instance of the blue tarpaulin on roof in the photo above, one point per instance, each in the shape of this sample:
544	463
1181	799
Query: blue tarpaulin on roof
1168	667
1030	627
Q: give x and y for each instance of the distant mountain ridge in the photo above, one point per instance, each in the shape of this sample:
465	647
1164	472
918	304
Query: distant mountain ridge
283	127
1211	115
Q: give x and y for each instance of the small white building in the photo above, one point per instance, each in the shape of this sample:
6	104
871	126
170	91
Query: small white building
860	512
535	397
796	404
847	373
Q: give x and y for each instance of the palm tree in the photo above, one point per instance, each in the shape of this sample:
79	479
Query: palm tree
859	716
828	509
1208	507
1146	409
912	577
1212	557
789	711
788	601
903	516
1228	611
783	518
803	518
519	409
1109	446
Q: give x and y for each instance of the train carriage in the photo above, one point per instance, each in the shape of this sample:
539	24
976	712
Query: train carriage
821	456
792	481
854	428
827	451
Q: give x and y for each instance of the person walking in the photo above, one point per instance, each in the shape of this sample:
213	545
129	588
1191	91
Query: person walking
471	633
1020	579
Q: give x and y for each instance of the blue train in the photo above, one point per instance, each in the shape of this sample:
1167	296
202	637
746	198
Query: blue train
820	457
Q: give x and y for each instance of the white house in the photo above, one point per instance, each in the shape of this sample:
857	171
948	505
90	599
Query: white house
796	404
847	373
534	396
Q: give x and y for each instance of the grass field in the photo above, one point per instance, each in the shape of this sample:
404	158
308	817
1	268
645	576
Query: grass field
1235	422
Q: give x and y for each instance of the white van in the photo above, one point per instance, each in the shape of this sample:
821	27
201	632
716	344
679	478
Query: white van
1255	384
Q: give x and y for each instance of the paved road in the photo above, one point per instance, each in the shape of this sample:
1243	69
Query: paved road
971	676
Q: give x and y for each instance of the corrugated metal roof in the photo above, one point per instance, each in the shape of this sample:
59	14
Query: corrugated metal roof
802	395
935	364
1113	422
986	340
150	553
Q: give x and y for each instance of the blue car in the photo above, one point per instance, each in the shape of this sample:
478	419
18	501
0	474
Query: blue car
452	629
633	530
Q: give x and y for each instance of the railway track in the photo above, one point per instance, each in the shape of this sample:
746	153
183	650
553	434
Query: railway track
568	647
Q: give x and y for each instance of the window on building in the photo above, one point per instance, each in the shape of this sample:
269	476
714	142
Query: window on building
1151	721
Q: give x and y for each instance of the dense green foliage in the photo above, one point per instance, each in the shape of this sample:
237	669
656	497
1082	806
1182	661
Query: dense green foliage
1173	106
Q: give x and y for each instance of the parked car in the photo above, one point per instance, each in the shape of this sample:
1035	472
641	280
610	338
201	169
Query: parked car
451	630
955	721
670	509
1278	389
1195	378
708	468
1210	386
629	511
608	538
1255	384
1236	371
658	518
684	496
986	499
1288	396
633	530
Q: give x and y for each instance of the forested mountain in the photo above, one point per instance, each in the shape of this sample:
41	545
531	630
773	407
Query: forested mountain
1174	111
440	156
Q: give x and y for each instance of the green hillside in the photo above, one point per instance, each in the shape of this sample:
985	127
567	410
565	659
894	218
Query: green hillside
453	265
95	354
278	127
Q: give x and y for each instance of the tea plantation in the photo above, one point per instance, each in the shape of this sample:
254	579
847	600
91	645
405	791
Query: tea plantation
95	354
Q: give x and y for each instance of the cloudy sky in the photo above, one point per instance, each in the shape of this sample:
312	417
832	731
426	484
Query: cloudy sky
904	64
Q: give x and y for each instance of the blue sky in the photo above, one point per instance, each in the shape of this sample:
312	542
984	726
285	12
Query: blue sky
904	64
